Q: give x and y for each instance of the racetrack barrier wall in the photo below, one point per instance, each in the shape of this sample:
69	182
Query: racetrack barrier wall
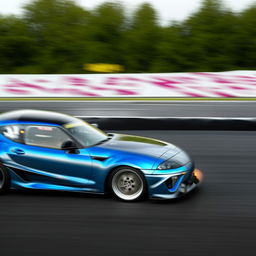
231	84
172	123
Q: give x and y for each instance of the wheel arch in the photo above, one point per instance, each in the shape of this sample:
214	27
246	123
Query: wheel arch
6	181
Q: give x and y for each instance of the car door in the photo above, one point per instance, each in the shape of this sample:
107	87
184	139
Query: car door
43	160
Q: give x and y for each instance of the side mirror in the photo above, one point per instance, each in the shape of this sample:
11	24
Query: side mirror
70	146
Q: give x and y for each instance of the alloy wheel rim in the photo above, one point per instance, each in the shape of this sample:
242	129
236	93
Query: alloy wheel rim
127	184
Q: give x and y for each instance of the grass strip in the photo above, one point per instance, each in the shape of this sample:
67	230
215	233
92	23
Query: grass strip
120	99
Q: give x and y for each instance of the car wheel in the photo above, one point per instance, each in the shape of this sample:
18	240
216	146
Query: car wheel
128	184
4	180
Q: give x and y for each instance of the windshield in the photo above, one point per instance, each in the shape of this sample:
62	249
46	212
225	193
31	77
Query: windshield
85	133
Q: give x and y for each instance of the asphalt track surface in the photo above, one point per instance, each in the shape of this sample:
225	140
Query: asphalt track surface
148	109
218	219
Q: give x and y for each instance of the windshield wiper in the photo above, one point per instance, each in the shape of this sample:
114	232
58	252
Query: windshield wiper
102	141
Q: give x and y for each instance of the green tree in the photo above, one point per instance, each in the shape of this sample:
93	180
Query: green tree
210	38
16	45
59	36
60	30
246	50
141	39
107	26
171	50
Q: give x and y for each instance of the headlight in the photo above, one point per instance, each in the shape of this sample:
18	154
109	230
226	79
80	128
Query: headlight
169	164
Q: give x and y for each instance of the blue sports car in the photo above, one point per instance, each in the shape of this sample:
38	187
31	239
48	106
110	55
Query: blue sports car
53	151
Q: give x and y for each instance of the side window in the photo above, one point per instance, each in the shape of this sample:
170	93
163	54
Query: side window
12	132
45	136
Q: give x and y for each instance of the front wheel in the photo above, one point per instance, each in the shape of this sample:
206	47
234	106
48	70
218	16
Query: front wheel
128	184
4	180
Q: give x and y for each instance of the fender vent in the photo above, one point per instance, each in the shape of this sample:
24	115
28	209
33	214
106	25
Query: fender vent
99	158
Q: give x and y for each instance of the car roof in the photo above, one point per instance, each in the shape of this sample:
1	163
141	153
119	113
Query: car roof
37	116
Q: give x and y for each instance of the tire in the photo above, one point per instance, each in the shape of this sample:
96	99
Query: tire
4	180
128	184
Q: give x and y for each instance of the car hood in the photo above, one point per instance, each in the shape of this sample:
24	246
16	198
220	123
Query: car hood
141	145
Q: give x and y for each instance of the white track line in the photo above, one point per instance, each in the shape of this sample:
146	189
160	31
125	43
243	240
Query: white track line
151	117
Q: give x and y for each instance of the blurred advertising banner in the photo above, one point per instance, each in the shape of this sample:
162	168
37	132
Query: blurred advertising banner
223	84
104	68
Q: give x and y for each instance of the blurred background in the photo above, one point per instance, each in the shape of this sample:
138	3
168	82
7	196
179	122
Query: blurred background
104	42
63	37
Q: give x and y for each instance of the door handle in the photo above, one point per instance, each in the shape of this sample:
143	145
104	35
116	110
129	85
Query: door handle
18	151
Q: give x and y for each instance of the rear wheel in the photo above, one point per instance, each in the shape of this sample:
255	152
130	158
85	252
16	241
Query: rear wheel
4	180
128	184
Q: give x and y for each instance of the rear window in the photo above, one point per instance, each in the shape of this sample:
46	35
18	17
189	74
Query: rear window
13	132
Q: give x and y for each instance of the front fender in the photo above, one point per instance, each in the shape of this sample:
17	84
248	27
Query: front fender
103	167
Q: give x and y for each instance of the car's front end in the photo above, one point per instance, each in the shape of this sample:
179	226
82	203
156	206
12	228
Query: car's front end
174	176
173	183
168	170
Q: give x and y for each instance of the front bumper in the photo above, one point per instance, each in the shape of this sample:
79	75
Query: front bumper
186	179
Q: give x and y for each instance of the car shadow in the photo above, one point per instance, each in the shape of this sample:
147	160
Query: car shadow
54	193
78	195
191	196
